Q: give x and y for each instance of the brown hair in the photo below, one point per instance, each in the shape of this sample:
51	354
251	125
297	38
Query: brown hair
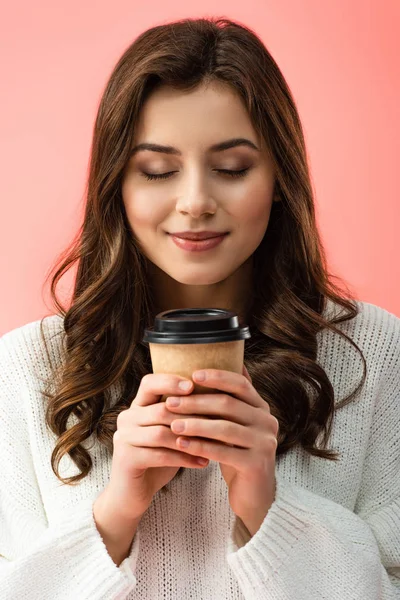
112	300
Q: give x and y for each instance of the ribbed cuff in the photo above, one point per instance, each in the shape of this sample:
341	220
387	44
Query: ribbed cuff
83	550
255	559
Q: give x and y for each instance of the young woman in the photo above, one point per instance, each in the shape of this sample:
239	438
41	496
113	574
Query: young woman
297	495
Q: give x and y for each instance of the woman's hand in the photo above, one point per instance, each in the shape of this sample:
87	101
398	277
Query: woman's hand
145	456
241	436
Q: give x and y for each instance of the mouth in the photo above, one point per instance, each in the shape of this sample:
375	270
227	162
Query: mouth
197	244
195	236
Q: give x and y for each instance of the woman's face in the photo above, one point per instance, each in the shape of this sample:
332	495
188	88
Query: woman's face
195	195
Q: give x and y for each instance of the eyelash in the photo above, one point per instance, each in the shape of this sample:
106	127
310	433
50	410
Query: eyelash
152	177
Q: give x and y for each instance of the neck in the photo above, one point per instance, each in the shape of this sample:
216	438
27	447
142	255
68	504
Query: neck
233	293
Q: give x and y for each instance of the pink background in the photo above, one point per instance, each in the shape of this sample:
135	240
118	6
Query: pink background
340	59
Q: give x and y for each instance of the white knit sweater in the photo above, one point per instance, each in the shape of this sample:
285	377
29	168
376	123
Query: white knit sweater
332	533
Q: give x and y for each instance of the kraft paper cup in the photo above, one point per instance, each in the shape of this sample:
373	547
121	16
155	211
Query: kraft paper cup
186	340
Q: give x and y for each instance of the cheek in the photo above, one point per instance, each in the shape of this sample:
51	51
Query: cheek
254	207
142	209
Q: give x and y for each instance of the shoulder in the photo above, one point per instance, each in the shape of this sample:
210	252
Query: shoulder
31	349
374	327
378	319
376	332
51	323
379	335
35	334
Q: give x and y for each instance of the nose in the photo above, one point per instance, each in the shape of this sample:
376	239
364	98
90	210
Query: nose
195	199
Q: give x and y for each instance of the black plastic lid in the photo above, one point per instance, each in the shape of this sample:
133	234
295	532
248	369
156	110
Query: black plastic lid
196	326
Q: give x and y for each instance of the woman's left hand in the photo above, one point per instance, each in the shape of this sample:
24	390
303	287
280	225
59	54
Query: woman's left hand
245	435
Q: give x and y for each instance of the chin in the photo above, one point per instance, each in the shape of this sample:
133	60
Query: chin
196	278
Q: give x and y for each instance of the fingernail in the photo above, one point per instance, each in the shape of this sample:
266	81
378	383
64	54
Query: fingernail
185	385
199	375
173	401
184	443
178	426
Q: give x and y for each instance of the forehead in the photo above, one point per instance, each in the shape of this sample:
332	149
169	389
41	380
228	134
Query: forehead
203	116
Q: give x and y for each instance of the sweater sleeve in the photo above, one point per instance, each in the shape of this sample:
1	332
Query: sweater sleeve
66	559
310	547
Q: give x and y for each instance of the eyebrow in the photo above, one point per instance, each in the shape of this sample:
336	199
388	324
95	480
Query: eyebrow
220	147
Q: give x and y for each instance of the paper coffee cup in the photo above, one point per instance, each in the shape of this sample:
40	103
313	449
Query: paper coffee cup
187	340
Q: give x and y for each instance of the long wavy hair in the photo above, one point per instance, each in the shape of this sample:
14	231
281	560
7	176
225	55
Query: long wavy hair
112	302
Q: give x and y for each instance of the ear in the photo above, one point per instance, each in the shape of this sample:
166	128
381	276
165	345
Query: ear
246	374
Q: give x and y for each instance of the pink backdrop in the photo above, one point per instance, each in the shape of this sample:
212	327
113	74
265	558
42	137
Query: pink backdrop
340	59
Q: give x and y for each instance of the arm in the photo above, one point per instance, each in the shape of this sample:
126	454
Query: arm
64	559
309	547
116	533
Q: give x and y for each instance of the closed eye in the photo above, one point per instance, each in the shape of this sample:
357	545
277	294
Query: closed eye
152	177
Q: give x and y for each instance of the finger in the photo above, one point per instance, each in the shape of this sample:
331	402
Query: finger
218	405
219	430
153	414
235	457
246	373
152	436
233	383
145	458
155	385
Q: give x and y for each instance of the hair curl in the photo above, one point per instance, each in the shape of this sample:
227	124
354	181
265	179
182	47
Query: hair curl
112	295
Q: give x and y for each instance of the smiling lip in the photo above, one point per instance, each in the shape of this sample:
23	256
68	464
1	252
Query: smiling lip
203	240
198	235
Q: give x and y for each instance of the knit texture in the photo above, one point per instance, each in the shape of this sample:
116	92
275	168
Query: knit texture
332	533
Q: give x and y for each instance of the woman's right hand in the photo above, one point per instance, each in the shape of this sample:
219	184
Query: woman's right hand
145	457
